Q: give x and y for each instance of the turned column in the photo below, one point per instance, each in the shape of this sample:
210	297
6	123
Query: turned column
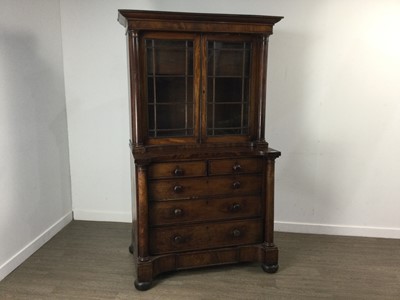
142	212
262	90
269	205
135	88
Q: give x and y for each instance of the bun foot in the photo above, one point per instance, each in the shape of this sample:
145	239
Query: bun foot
131	248
270	268
142	286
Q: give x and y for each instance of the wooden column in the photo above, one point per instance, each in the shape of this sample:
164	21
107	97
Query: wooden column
263	55
142	212
134	77
269	206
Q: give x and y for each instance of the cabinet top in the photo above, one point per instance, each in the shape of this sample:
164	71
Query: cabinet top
180	21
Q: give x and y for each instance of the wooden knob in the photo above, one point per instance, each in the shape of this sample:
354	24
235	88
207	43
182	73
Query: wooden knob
178	172
178	239
236	185
236	233
235	207
237	167
178	212
178	189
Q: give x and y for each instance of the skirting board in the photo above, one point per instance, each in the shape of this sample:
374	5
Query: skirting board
296	227
105	216
363	231
11	264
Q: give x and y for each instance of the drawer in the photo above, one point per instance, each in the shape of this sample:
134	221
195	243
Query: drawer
178	169
235	166
205	236
170	212
194	188
235	185
183	188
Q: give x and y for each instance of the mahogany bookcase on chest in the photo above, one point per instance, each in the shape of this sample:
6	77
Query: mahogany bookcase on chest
204	172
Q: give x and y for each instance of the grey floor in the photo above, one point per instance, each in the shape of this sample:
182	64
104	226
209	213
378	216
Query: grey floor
90	260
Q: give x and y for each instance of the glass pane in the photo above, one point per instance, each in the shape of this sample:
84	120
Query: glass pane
171	133
171	120
228	63
173	116
228	45
170	58
225	90
150	90
174	89
225	115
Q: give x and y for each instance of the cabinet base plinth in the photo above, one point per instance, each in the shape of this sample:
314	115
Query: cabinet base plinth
147	271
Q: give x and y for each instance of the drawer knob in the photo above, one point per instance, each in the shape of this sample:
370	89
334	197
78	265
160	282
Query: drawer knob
178	239
235	207
236	185
236	233
237	167
178	212
178	172
178	189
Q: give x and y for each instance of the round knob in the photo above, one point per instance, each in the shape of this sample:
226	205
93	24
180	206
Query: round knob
236	233
237	167
178	239
178	171
235	207
178	212
236	184
178	188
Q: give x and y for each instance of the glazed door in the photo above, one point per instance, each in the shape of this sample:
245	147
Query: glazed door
171	87
228	88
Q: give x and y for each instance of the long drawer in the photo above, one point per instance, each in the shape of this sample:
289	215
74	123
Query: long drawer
183	211
194	188
205	236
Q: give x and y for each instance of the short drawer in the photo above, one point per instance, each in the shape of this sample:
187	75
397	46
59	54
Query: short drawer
235	185
177	169
195	188
235	166
170	212
183	188
205	236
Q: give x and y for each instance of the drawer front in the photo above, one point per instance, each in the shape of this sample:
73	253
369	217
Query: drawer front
235	185
170	212
190	188
184	188
178	169
235	166
205	236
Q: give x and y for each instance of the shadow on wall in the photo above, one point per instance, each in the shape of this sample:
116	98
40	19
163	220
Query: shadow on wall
34	178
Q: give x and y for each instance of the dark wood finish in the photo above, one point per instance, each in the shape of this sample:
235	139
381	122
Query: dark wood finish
204	236
235	166
189	211
204	172
177	169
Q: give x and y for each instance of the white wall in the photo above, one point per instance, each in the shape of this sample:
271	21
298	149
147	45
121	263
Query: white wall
35	200
332	109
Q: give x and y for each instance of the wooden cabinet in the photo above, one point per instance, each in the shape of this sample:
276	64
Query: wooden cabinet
204	172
